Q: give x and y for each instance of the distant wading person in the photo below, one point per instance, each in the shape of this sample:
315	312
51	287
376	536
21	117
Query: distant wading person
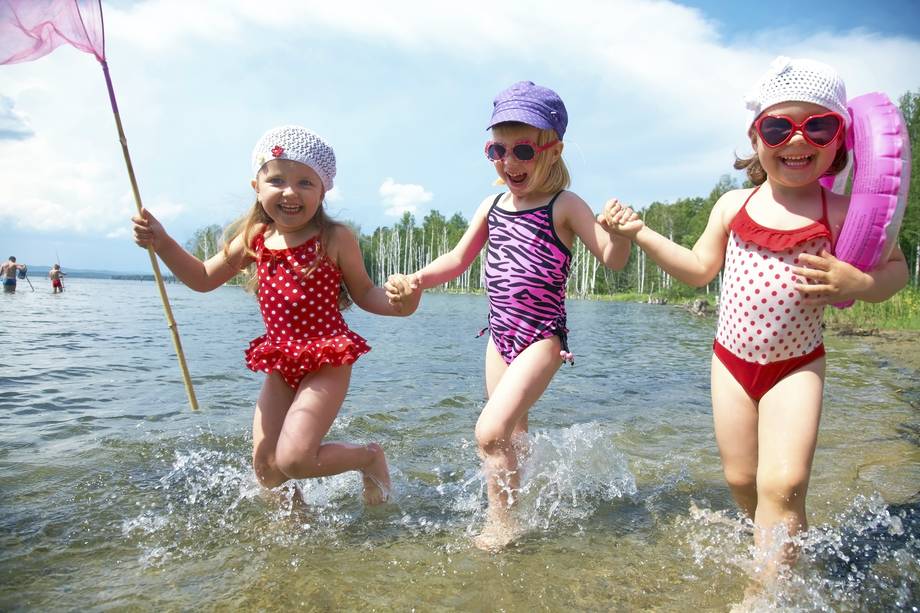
8	272
56	275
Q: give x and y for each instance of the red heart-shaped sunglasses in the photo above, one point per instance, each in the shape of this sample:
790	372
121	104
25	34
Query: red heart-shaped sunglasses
819	130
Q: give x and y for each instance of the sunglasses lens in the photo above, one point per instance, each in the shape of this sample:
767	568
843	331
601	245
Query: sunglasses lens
524	152
775	130
822	130
495	151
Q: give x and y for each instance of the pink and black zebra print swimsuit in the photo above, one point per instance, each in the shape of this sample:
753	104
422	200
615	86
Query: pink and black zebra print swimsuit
527	267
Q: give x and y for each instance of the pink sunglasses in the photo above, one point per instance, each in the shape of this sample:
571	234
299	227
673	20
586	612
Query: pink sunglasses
523	150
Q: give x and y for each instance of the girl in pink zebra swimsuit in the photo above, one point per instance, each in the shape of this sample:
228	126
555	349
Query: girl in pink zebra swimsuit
530	232
775	244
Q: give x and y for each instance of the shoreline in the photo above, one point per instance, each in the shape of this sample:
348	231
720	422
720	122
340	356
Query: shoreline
901	347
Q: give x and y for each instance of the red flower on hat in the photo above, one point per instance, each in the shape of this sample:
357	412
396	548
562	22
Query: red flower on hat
277	150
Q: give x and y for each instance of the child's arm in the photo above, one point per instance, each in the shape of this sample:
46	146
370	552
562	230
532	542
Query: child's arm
199	276
452	264
445	267
360	287
697	266
837	281
610	249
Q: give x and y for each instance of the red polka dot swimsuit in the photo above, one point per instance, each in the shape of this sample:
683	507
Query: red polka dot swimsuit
765	330
304	328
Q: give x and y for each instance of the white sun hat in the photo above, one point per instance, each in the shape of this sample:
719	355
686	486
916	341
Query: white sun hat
297	144
798	80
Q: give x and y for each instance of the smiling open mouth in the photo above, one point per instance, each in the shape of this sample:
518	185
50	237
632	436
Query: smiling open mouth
290	209
796	161
517	179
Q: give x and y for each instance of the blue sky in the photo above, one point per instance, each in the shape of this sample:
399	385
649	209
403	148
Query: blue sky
403	91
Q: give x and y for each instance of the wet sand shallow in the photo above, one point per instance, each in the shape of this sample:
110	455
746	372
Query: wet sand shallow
899	347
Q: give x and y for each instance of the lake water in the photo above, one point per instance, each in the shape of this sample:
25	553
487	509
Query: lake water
115	495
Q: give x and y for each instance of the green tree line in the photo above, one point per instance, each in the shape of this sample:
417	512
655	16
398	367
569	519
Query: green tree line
408	245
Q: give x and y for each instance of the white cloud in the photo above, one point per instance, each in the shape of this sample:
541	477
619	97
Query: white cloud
48	190
399	198
13	124
165	26
334	195
654	91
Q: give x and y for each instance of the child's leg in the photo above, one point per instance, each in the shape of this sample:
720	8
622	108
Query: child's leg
271	409
788	432
513	390
300	452
734	416
495	370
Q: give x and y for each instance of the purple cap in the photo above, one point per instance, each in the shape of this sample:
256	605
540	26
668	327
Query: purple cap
534	105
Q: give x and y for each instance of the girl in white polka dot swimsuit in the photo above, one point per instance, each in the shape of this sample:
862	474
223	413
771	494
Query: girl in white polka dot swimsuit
776	242
301	259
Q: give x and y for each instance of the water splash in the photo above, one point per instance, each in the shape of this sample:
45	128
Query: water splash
568	473
867	558
212	495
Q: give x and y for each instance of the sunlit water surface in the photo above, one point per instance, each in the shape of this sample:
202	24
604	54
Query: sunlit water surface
113	494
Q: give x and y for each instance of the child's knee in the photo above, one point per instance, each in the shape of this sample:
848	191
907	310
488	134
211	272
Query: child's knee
785	488
491	437
267	473
740	479
295	461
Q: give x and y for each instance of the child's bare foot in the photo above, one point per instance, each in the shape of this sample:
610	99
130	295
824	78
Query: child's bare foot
755	599
497	533
376	477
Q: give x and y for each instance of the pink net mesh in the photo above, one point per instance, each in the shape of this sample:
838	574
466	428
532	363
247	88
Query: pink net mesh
30	29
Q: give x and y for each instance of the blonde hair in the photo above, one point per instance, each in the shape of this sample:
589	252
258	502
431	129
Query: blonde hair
549	177
257	221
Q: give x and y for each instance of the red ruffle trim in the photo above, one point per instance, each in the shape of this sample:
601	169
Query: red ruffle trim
775	240
294	361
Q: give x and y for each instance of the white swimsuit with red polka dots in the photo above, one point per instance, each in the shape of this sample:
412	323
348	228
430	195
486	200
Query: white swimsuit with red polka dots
762	318
304	329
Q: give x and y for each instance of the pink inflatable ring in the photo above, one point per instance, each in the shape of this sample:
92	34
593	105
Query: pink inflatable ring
879	148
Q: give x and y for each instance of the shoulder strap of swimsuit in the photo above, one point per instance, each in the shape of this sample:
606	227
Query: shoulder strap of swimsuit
824	218
258	243
495	202
551	202
751	195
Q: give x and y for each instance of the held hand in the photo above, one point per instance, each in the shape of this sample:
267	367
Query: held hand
620	220
829	280
401	288
148	232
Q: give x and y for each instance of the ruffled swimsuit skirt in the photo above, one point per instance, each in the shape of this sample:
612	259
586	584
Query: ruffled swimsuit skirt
304	328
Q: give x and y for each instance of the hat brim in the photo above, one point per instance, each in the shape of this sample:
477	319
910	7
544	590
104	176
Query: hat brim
522	116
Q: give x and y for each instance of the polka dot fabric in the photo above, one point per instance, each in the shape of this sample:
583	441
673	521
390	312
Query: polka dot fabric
762	318
304	329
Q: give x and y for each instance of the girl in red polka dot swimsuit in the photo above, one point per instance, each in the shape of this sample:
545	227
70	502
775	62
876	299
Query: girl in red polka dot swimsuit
775	242
301	259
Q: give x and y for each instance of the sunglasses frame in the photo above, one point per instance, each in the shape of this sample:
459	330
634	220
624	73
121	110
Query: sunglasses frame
537	149
800	128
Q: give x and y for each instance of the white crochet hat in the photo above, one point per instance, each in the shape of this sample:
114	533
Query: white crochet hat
297	144
798	80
